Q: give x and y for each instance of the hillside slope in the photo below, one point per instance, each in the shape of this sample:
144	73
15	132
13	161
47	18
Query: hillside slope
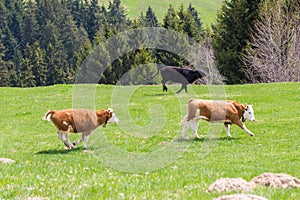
206	9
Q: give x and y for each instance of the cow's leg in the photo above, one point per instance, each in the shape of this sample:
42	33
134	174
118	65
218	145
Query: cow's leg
247	130
68	138
185	87
80	140
61	136
182	87
85	136
242	126
163	82
227	127
64	136
194	126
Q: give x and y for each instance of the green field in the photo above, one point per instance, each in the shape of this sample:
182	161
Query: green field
206	9
133	160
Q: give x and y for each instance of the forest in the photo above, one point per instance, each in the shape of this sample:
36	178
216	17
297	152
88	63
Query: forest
45	42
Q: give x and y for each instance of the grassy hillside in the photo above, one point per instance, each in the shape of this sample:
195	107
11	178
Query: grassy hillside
133	160
206	9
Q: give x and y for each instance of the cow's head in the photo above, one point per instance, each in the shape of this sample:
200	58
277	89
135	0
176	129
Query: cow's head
248	113
200	74
112	116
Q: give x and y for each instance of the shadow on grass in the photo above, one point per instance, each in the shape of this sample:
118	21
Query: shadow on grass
203	139
59	151
156	95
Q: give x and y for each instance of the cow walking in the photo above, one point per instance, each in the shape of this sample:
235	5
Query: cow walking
79	121
227	112
179	75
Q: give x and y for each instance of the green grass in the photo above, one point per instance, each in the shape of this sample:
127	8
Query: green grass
151	168
206	9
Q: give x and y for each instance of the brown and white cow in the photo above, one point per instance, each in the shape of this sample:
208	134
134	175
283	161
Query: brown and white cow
83	121
227	112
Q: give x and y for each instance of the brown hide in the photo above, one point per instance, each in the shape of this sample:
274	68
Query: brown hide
80	120
216	111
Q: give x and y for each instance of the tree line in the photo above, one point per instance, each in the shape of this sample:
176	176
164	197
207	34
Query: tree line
45	42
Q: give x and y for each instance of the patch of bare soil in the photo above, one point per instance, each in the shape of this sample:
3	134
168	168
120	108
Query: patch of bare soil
281	181
240	197
230	184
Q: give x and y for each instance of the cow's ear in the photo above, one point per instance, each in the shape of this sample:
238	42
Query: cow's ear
244	106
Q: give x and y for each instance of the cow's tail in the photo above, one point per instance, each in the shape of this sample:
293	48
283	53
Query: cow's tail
48	115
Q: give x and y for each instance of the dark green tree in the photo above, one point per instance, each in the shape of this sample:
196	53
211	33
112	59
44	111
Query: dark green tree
150	19
116	16
27	79
231	33
142	69
4	67
36	63
94	18
197	20
11	31
30	25
170	20
55	72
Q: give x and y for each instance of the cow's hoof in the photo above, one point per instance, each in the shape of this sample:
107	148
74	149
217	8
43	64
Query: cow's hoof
197	136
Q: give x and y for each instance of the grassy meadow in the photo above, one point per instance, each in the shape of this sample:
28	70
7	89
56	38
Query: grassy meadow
206	9
142	157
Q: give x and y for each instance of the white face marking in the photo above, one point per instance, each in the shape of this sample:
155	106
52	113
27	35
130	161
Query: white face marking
65	123
249	113
114	119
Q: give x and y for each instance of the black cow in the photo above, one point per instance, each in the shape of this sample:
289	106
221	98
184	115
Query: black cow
179	75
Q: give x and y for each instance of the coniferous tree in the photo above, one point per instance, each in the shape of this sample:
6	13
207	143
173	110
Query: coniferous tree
230	36
170	20
94	19
198	22
150	18
143	69
55	73
116	16
30	26
36	57
15	19
4	66
27	79
187	23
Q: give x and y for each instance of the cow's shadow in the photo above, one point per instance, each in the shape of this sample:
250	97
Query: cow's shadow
60	151
204	139
156	95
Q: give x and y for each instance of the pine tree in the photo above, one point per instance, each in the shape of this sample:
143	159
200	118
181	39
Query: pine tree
55	73
187	23
94	19
36	57
27	79
143	69
116	16
4	67
170	20
150	18
30	26
230	36
198	22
